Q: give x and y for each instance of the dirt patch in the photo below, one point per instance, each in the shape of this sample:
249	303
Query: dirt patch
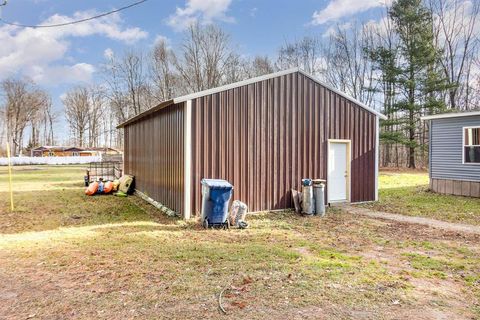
305	252
447	226
433	298
442	299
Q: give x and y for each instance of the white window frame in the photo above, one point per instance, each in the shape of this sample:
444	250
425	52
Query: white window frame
463	146
76	154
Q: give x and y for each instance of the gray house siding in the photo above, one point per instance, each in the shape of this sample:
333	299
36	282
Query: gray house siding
446	149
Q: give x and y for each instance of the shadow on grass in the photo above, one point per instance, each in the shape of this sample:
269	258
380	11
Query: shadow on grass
53	209
80	232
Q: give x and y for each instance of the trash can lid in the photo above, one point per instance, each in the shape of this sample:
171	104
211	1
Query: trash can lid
216	183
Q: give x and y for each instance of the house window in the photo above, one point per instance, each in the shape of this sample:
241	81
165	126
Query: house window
76	154
471	145
51	154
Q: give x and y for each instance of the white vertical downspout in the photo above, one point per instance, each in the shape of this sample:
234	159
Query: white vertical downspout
377	154
187	167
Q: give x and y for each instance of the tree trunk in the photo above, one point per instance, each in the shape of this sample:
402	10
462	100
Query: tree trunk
396	155
411	138
80	138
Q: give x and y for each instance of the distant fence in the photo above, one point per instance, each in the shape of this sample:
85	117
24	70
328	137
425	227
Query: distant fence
112	157
49	160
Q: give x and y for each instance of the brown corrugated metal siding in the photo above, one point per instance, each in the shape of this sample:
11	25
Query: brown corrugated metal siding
154	154
266	136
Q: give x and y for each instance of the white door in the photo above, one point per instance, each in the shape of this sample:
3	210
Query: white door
337	172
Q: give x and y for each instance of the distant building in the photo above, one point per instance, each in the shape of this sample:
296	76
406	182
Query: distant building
60	151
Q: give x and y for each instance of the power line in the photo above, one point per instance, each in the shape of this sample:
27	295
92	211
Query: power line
73	22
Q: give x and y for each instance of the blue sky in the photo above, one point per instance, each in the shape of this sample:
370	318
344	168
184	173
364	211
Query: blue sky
62	57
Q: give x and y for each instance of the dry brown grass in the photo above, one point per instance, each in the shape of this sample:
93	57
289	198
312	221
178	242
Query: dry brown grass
119	258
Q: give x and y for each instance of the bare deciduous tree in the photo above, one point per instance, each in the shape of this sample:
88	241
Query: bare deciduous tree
38	120
305	54
456	28
204	57
129	88
23	102
260	65
95	116
49	118
163	73
348	66
77	113
133	74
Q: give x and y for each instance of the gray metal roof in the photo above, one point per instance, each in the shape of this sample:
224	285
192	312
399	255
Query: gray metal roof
451	115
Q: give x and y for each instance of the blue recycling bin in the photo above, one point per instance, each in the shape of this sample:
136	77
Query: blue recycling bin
216	195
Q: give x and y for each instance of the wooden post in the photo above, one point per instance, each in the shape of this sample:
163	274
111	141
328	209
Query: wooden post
10	176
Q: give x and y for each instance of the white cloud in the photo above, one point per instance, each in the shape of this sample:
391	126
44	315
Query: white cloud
109	26
42	54
108	53
160	38
333	29
203	11
80	72
381	26
338	9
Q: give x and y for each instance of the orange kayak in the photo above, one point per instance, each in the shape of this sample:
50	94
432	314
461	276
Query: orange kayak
92	189
108	187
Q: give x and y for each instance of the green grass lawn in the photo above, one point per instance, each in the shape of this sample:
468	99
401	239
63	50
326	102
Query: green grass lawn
66	255
408	193
43	177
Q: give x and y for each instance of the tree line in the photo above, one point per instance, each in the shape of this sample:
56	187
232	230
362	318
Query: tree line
421	58
25	107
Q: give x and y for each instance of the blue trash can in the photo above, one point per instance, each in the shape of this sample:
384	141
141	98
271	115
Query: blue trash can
216	195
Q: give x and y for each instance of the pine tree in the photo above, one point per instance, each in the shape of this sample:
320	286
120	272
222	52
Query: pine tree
384	58
419	81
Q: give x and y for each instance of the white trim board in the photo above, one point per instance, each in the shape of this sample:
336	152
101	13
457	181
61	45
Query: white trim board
451	115
463	147
187	161
233	85
377	156
375	112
